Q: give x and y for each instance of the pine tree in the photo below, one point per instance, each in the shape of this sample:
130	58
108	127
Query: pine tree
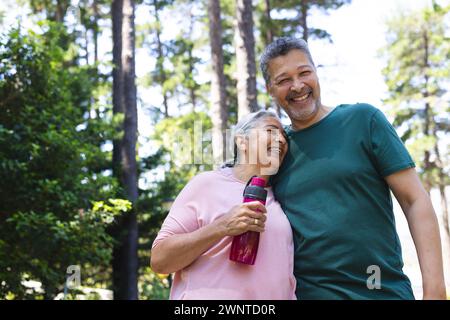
417	75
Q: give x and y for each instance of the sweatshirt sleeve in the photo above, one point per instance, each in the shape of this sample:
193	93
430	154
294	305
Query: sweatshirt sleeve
183	215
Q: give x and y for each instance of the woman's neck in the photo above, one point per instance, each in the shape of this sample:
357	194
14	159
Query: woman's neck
244	172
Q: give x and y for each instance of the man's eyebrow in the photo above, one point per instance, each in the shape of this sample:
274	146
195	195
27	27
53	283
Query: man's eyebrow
303	66
298	68
280	75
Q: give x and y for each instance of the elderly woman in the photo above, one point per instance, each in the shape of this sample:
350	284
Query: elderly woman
195	238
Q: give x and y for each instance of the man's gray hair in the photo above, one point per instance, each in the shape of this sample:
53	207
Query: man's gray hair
281	47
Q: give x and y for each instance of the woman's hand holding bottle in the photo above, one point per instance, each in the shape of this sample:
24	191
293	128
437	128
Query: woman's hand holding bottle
248	216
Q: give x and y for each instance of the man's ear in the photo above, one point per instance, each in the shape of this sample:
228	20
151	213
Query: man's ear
269	89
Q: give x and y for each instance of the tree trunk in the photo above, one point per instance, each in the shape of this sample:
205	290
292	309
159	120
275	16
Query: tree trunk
441	184
93	100
125	259
95	30
427	114
268	38
117	94
86	45
426	158
245	58
129	146
444	207
219	109
160	60
192	93
269	33
60	11
303	19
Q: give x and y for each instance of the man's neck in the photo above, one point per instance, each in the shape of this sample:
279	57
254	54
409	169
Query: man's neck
319	115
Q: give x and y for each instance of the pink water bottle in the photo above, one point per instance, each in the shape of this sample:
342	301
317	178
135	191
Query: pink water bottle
245	246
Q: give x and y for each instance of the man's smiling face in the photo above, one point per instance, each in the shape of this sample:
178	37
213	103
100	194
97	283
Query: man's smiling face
294	85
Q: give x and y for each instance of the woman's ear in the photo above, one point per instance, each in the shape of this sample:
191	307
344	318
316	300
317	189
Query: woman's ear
241	143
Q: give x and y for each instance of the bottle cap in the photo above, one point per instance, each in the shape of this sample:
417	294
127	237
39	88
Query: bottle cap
255	189
256	181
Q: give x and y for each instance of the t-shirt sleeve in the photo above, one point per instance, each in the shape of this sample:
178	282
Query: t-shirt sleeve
389	151
183	215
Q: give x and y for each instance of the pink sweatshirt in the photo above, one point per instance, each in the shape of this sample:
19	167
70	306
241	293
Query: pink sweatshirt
212	275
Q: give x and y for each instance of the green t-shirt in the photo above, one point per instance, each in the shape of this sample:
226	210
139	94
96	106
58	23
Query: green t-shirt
331	187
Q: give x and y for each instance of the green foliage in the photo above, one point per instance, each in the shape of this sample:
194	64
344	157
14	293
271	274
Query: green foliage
50	165
44	246
177	61
107	211
184	138
417	74
289	24
153	286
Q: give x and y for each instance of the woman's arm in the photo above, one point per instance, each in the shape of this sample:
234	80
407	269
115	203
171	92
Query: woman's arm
423	224
180	250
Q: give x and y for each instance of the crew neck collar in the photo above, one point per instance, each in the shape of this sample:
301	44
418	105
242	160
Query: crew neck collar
291	130
228	172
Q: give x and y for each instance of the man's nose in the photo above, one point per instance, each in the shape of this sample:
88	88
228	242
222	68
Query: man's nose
297	85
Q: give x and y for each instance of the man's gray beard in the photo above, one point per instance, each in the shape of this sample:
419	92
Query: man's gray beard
303	115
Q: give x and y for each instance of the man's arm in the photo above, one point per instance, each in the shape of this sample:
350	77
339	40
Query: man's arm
424	228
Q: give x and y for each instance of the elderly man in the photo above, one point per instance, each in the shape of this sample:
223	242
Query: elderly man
334	186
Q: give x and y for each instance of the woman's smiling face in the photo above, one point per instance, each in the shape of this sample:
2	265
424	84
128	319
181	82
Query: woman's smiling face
265	146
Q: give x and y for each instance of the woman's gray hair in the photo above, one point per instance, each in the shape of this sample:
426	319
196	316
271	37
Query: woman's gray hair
281	47
243	127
